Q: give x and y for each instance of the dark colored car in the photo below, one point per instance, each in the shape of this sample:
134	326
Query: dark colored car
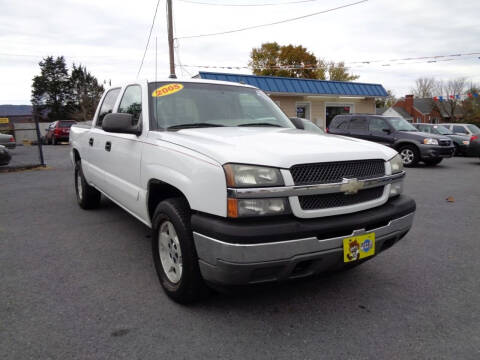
396	132
474	148
305	124
58	131
4	155
8	141
461	142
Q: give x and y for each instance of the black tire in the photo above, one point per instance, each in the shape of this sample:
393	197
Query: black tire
190	285
54	141
88	197
433	162
410	155
457	151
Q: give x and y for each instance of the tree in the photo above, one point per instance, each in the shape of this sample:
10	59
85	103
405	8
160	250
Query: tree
471	106
297	62
424	87
85	93
51	89
450	104
386	102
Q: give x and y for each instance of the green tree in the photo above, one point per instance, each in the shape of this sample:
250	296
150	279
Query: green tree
51	90
471	106
297	62
85	93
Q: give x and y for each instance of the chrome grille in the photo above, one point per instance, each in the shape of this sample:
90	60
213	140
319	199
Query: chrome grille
332	172
325	201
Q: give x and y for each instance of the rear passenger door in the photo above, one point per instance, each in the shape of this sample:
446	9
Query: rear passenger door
359	127
380	131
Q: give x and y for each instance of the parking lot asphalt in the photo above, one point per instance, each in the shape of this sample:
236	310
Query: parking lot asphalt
81	284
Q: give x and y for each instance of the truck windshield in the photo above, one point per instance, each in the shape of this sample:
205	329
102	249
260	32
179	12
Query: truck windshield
400	124
178	105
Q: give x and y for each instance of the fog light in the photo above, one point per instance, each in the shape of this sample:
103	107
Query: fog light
257	207
396	188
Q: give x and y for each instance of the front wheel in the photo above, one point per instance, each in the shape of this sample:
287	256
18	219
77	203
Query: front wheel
433	162
174	253
87	196
410	155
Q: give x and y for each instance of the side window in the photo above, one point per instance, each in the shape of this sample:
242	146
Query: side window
378	125
424	128
131	102
107	105
358	125
459	129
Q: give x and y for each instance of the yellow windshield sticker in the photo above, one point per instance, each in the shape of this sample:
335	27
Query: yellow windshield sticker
168	89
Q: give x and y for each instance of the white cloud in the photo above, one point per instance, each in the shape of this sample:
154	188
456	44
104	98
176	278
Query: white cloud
109	37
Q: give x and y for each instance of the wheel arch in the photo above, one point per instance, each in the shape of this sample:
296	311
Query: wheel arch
157	191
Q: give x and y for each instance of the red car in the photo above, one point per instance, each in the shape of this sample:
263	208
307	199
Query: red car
58	131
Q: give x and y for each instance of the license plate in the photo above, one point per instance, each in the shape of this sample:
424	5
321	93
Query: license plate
358	247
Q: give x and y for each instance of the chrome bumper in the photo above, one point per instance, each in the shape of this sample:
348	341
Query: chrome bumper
222	262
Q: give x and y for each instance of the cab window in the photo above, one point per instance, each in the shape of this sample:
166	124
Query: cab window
107	105
131	103
358	124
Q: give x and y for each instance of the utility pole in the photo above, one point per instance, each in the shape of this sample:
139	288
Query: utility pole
170	40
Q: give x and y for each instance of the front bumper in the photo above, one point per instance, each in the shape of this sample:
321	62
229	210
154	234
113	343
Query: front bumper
435	152
248	253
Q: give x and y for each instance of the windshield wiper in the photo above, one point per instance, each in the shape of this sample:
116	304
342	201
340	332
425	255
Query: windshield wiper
192	125
260	124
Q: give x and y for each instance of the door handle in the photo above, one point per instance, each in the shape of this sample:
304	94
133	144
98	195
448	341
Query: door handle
90	142
108	146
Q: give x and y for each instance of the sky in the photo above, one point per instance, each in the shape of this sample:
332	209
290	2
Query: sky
109	38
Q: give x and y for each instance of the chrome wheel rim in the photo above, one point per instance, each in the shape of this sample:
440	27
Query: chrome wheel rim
79	186
170	252
407	156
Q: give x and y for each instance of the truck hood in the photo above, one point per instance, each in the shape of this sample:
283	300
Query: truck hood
277	147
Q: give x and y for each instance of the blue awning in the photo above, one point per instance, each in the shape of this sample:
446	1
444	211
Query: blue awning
276	84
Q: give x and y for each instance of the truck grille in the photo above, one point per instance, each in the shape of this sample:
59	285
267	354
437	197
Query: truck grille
325	201
332	172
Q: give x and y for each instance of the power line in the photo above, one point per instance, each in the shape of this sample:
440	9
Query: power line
148	41
248	5
274	23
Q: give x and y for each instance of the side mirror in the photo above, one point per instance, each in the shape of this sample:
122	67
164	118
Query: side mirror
386	131
297	122
120	123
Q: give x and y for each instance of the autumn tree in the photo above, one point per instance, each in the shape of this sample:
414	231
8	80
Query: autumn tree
85	93
297	62
424	87
51	89
471	105
449	89
386	101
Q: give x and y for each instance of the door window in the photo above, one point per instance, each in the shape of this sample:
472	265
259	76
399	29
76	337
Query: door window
131	103
378	125
459	129
107	105
358	125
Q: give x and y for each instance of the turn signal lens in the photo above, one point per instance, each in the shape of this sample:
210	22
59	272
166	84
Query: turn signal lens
232	207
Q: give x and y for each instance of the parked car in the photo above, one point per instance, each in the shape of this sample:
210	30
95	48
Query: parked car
397	133
8	141
5	156
462	129
305	124
233	192
474	148
461	142
58	131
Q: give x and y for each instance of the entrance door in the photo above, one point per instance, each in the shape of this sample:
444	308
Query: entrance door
332	111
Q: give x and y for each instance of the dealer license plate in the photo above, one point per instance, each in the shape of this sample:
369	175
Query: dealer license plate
358	247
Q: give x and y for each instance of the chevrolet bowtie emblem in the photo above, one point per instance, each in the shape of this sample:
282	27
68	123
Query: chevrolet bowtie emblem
350	186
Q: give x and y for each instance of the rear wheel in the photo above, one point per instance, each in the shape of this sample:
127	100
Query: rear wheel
433	162
410	155
54	141
87	196
174	252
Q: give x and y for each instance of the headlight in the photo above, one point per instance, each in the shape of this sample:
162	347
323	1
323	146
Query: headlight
429	141
252	176
257	207
396	164
466	142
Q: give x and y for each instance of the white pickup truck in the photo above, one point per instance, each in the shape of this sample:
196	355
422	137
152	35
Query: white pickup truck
234	193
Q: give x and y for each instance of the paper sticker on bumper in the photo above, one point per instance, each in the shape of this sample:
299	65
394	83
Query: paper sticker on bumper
358	247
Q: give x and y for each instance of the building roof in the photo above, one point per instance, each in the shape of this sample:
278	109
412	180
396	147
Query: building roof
284	85
402	112
427	105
